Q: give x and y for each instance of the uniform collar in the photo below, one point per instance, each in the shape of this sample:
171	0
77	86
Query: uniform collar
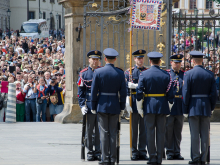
91	68
139	67
199	66
109	64
175	71
156	66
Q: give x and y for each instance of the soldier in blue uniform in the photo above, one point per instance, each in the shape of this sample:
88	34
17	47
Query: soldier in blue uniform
156	85
199	98
140	152
84	98
174	122
108	84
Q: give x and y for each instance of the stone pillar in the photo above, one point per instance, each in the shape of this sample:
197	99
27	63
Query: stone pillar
73	53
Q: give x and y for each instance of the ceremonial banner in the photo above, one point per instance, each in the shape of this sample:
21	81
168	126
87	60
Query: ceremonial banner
146	14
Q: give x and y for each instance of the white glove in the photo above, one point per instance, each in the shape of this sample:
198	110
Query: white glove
93	112
139	107
128	107
170	106
122	112
84	110
132	85
185	115
212	112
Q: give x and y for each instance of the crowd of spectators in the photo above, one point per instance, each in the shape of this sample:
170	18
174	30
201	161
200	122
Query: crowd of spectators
37	67
208	44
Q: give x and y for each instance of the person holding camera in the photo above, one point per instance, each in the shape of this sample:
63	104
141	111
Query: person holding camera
30	99
41	101
20	98
56	103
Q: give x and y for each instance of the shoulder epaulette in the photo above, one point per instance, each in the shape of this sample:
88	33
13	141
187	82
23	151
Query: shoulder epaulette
145	69
120	69
85	69
129	69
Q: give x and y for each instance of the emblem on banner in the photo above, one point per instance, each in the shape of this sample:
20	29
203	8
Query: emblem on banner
146	14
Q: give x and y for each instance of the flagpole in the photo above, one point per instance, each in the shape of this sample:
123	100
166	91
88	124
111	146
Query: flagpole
130	80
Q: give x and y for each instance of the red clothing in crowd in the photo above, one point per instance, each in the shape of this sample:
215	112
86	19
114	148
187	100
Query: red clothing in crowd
3	50
20	96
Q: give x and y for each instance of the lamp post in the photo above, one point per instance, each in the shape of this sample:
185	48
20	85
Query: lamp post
40	15
57	17
9	14
51	14
196	15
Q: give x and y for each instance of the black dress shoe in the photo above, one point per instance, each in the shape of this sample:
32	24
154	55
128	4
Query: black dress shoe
194	162
112	163
169	157
202	163
103	163
152	163
98	157
134	157
158	163
178	157
90	158
143	157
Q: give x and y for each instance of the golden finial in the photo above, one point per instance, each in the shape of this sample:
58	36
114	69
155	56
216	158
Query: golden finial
128	58
94	5
161	47
162	22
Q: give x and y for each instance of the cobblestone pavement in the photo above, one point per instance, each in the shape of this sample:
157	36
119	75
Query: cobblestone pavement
53	144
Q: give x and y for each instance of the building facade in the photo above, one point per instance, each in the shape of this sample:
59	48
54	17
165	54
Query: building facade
4	21
22	11
201	5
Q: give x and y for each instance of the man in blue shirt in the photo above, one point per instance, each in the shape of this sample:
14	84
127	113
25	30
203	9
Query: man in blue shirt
174	122
199	99
156	85
84	98
108	83
139	142
30	99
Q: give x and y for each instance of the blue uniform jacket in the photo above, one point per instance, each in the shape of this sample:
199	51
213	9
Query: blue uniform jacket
199	81
108	79
135	76
155	81
177	108
84	91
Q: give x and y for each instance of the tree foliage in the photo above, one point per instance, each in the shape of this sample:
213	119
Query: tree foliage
217	1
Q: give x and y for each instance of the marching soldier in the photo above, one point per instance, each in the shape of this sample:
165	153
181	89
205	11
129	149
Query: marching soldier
174	122
156	84
84	97
199	98
140	152
109	83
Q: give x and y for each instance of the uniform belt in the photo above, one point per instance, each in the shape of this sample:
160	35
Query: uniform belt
200	96
108	94
133	93
178	96
155	95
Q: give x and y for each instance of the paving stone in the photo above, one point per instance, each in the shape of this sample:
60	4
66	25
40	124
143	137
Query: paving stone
53	144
